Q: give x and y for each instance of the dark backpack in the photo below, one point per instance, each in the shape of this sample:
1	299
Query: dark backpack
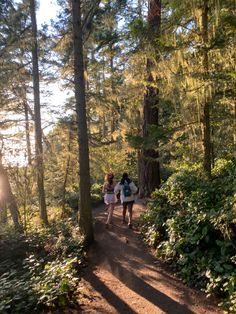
126	189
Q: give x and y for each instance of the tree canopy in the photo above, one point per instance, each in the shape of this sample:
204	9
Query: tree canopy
149	89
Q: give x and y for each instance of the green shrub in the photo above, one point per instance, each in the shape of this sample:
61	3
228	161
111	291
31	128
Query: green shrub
96	192
191	223
45	273
72	199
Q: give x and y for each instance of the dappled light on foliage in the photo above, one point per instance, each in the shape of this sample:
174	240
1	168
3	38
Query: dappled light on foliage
40	271
147	88
192	222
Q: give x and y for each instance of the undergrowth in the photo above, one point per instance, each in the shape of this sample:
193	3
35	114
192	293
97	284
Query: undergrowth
192	224
39	272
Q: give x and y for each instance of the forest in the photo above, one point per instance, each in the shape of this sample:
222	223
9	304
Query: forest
149	88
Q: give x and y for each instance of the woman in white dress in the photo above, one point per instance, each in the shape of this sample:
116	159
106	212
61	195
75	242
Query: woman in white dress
109	196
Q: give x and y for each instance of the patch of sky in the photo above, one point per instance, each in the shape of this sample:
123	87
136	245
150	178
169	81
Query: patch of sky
47	11
52	98
52	94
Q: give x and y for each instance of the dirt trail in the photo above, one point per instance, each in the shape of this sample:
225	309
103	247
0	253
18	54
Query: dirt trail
124	277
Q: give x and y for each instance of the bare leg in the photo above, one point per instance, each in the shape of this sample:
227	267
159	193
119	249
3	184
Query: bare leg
112	207
124	212
110	213
130	214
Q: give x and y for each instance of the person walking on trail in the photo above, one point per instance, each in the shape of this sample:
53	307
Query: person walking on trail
109	196
127	189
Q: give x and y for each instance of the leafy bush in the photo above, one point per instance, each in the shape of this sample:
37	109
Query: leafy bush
43	271
191	223
96	193
72	199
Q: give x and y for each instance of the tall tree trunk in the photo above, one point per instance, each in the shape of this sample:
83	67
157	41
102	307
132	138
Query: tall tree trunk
27	131
206	105
149	172
7	198
37	113
27	197
234	134
105	129
3	213
114	117
66	172
79	81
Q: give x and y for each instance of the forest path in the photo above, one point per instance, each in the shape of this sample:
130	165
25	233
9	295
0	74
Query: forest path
123	276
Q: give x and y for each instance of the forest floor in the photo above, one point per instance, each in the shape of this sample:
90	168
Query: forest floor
123	275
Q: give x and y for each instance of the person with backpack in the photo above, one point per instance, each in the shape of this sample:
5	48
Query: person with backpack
109	196
127	189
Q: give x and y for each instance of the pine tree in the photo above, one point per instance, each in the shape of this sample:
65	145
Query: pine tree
149	163
38	128
79	81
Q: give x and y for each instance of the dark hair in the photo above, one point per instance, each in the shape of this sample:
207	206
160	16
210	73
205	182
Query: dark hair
125	177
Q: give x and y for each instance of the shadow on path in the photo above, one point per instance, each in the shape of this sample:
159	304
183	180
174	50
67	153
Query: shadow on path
121	270
110	296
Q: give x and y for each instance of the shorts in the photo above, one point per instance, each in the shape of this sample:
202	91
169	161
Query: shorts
127	203
110	198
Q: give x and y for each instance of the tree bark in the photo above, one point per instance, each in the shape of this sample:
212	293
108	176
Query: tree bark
149	171
8	199
37	113
206	105
66	172
85	220
27	132
234	134
114	109
3	213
